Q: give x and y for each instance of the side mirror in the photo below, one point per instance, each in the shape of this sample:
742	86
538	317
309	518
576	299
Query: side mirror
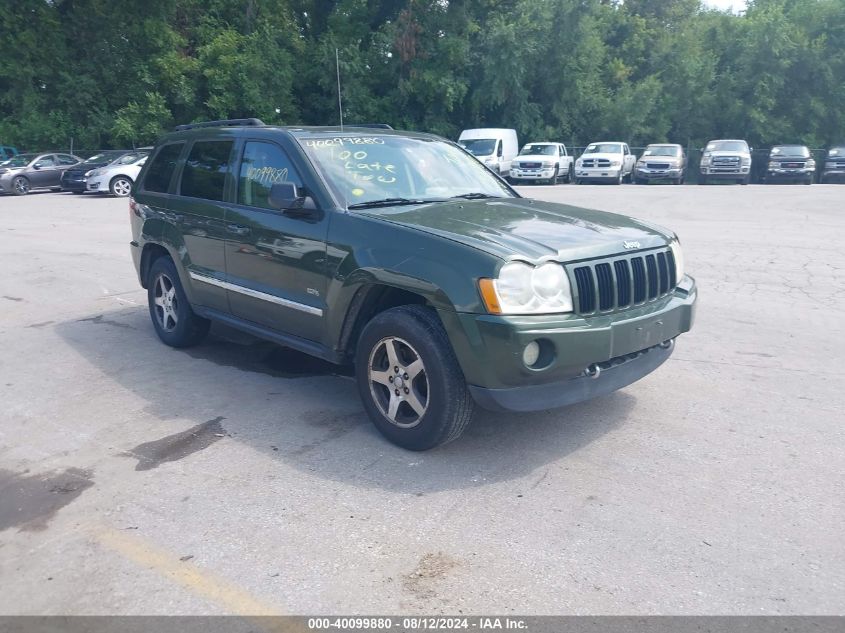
285	196
36	166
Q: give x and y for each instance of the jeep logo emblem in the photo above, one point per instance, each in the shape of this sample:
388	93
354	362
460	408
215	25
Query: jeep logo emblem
630	245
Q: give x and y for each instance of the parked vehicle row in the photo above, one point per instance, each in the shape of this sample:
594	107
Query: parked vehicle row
111	171
722	160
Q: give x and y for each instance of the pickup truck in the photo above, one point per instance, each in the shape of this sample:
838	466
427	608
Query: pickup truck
726	159
610	162
539	162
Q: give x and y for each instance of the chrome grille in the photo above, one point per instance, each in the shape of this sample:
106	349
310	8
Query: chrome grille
657	165
624	281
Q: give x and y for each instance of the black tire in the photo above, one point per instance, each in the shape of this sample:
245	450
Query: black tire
619	180
556	175
78	193
579	181
704	181
809	181
414	331
570	174
20	186
120	186
188	329
745	180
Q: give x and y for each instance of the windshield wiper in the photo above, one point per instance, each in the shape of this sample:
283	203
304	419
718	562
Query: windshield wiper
475	196
388	202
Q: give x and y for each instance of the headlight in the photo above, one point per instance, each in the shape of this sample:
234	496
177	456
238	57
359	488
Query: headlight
548	165
615	163
678	254
746	161
95	172
524	289
578	163
773	165
811	164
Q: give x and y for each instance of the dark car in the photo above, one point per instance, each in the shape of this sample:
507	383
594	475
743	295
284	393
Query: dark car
23	173
76	178
790	163
834	165
402	255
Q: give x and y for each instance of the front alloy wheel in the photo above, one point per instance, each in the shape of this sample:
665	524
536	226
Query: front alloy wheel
398	382
120	187
409	379
20	186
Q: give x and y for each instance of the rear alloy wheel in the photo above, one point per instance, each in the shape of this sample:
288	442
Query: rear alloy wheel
409	379
120	186
20	186
175	322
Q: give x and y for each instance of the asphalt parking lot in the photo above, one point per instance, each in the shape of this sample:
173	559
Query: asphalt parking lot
237	477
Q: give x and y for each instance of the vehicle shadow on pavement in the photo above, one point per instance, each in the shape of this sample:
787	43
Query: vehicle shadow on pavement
307	413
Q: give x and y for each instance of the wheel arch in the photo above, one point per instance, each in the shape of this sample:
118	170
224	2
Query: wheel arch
370	299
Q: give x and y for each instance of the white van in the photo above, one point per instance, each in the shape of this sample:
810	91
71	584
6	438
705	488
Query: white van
495	147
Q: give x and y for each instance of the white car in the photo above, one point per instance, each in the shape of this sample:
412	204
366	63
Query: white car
610	161
117	177
543	161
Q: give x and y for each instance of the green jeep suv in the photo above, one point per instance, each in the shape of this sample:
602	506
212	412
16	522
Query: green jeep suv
401	254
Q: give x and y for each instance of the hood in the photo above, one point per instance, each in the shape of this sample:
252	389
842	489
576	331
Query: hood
780	158
722	152
534	158
518	228
601	155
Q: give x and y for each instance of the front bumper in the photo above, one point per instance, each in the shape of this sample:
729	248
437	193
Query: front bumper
532	174
97	183
74	183
658	174
598	173
830	175
730	173
489	349
796	173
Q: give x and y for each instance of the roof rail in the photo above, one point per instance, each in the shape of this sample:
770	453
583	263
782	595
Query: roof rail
221	123
377	126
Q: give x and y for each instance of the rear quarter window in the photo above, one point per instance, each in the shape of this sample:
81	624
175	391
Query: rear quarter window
161	169
204	173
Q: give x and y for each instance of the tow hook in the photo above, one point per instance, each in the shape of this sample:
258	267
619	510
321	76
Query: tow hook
593	371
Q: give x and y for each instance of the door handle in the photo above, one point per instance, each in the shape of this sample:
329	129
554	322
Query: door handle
237	229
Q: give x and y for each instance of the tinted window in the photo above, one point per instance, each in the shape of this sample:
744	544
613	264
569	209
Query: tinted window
263	165
204	174
64	159
161	169
46	161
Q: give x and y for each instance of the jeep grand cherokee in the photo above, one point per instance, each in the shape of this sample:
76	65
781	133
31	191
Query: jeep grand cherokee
402	254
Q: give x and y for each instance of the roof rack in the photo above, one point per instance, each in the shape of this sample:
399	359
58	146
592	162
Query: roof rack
221	123
378	126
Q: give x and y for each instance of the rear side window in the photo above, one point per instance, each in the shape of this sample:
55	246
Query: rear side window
161	170
204	174
263	165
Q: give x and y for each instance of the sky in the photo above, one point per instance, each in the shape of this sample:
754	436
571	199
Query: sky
737	5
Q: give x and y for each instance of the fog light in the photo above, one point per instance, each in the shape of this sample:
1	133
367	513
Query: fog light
531	353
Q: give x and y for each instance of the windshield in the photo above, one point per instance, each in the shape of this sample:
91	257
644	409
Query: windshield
603	148
101	158
836	152
128	159
480	146
662	150
537	149
364	169
790	150
21	160
727	146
